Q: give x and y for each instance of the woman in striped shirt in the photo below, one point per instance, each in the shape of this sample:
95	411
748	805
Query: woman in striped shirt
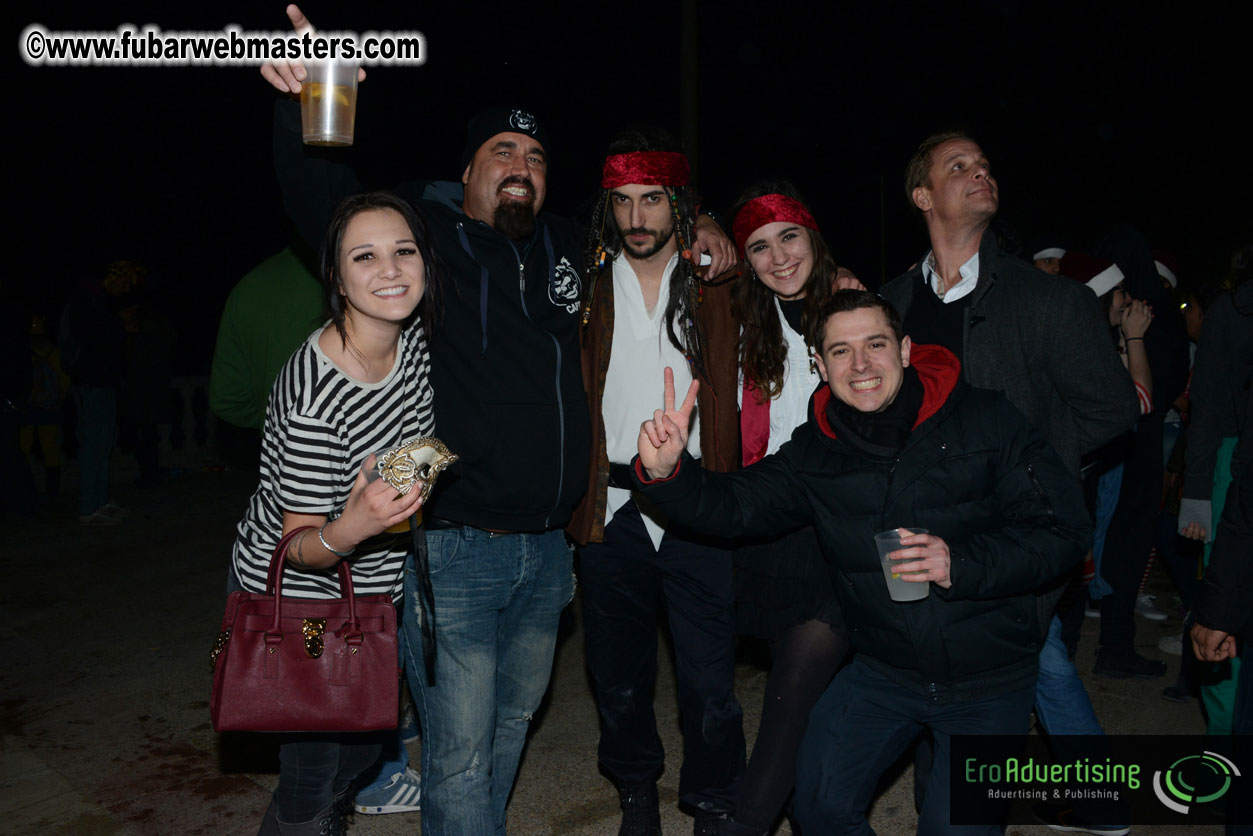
357	386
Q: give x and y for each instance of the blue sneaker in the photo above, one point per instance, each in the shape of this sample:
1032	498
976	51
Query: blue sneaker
403	794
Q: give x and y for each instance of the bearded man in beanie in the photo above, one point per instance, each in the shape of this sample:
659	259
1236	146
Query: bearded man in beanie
647	309
482	613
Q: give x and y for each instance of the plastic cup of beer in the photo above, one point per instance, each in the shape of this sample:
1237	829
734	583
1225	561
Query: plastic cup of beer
328	103
898	588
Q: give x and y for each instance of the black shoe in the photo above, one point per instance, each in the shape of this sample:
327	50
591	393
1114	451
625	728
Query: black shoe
1179	692
730	827
1127	664
1061	818
708	824
641	812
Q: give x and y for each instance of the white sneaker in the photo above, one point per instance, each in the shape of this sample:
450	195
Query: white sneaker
403	794
1171	644
1146	605
98	517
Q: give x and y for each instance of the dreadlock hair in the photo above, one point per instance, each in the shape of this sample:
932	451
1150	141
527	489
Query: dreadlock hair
604	243
762	349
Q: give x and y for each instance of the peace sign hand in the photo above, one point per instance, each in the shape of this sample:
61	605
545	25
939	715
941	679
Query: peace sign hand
664	437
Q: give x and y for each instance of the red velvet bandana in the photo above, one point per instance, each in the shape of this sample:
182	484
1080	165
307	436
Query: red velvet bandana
767	209
645	168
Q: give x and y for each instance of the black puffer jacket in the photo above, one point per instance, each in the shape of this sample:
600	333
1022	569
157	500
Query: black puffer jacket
973	472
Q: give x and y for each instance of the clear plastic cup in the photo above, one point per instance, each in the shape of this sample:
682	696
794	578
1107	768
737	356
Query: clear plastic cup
328	103
899	589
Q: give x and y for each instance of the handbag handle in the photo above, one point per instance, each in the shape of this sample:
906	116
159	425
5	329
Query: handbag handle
275	582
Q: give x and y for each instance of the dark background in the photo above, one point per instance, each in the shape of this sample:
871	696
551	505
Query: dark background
1091	115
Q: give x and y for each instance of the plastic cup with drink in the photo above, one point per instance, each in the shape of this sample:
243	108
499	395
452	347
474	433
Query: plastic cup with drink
328	103
898	588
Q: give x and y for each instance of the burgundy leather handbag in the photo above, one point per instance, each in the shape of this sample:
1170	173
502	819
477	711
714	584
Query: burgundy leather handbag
305	664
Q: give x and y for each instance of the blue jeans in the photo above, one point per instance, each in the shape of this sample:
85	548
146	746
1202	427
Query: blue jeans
862	724
498	600
1109	487
1063	707
1061	702
394	757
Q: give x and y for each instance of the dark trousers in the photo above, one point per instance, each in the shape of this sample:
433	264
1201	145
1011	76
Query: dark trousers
861	726
625	582
1131	534
315	768
1242	724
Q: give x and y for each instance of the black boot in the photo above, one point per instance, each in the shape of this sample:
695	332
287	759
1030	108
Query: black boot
730	827
641	812
328	822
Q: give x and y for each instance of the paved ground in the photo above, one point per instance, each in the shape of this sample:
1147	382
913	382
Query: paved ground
104	678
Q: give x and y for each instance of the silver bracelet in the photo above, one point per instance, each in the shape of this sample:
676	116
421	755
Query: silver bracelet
327	545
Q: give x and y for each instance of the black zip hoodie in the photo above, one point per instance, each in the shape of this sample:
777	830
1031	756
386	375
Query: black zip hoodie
505	368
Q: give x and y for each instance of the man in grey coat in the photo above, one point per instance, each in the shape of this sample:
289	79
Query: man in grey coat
1034	336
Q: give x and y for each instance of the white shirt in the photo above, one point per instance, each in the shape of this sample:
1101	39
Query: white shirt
969	278
640	352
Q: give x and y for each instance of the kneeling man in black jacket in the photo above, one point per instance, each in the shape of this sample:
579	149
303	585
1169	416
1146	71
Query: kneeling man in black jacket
896	439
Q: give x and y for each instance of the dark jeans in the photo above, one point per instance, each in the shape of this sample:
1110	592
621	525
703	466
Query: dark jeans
1242	723
625	582
314	768
861	726
1131	535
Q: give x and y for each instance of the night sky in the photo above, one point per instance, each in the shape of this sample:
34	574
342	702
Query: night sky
1092	114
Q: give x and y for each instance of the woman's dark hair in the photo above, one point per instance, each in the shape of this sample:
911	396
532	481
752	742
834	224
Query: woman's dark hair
762	349
429	308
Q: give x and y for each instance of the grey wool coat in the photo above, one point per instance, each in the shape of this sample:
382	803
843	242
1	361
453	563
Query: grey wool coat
1041	340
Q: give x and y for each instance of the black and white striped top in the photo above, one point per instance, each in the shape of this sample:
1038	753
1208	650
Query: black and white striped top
320	426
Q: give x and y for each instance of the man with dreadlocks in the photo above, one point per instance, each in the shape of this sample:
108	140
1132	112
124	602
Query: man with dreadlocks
647	308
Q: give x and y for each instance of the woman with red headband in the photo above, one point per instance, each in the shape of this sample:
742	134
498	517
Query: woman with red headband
783	588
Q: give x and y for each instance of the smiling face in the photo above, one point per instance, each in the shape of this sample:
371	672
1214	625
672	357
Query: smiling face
960	188
507	178
781	253
861	359
644	219
381	273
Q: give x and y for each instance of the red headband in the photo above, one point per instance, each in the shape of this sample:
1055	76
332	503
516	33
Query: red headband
645	168
767	209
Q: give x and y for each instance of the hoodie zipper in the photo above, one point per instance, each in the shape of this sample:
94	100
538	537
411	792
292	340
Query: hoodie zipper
561	412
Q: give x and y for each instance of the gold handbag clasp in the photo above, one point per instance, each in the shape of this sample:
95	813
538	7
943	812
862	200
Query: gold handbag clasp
313	628
219	644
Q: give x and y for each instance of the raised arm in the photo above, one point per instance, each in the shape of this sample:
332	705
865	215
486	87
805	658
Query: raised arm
764	499
312	182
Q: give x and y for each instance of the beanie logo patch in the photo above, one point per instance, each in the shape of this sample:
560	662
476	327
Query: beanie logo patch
522	121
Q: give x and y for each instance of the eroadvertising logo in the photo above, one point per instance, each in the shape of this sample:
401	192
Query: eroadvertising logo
1193	780
1111	780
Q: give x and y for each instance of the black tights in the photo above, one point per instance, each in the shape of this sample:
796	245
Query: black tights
804	661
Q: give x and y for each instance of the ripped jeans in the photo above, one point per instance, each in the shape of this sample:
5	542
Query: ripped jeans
498	599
